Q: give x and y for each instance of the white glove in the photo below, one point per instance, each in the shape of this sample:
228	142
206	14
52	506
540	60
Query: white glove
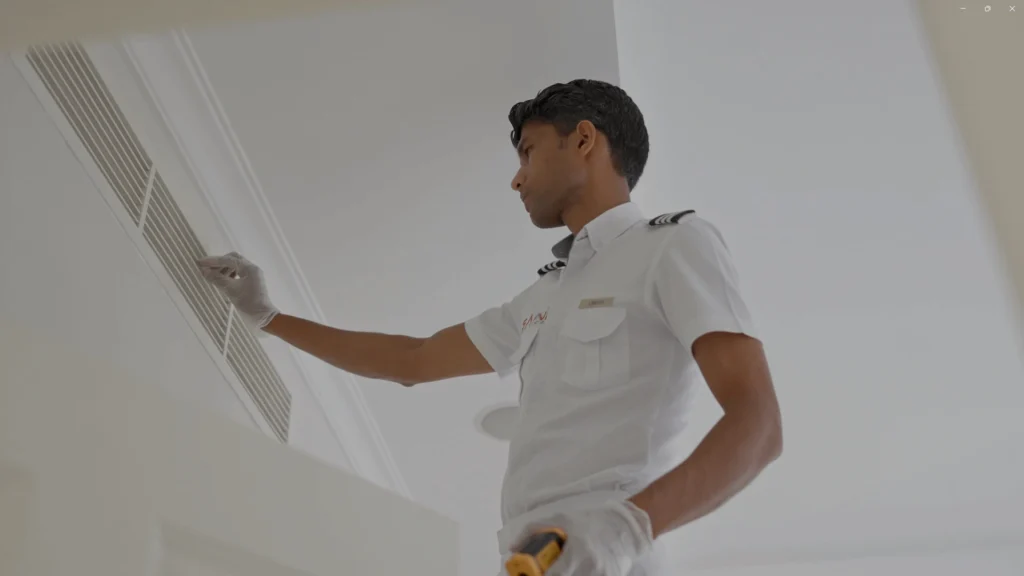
602	541
242	283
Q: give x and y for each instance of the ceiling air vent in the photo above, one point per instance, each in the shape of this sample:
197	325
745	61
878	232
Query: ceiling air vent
83	98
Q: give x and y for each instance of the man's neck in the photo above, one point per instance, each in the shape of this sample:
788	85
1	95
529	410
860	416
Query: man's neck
581	214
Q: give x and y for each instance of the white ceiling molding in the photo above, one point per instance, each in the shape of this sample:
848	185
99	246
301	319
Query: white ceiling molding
28	22
175	80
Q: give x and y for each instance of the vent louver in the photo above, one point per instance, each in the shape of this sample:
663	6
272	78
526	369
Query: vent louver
83	98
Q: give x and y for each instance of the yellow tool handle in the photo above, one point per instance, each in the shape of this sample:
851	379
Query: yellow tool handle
538	553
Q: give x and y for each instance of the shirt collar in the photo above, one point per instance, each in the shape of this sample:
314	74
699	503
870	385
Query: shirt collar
602	230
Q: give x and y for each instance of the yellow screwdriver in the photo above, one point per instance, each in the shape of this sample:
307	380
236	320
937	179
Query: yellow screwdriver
538	553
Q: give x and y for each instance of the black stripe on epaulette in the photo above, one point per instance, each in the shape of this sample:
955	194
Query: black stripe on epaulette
670	218
551	267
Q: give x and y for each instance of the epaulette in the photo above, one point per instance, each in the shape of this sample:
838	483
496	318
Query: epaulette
670	218
551	267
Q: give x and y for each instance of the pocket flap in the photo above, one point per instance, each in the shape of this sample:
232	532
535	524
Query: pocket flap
592	324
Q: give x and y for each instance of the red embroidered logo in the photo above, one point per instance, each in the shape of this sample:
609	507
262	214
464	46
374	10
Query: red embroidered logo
538	318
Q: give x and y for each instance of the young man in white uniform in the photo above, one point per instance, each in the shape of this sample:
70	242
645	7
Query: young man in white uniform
609	342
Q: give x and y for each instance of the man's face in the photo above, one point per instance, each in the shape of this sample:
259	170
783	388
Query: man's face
551	171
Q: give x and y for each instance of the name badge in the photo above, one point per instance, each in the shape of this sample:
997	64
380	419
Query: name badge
596	303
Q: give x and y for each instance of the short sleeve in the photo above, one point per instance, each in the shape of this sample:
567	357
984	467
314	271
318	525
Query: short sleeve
496	333
696	284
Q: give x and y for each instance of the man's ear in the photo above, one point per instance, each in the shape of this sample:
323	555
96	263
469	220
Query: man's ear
586	136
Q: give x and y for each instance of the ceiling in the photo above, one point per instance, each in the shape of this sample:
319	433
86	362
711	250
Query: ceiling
814	135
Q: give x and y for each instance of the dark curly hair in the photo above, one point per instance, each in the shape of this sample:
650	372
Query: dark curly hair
607	106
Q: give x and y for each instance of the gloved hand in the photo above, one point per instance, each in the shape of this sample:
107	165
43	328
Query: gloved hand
242	283
602	541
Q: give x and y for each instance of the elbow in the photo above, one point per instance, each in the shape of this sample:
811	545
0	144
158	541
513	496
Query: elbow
403	364
762	422
770	420
773	439
411	365
774	450
408	377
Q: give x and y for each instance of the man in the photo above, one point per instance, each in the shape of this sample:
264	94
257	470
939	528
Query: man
609	342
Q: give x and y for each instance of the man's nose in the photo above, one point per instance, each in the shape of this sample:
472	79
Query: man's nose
517	181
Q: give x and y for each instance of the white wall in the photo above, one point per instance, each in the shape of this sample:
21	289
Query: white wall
813	134
72	279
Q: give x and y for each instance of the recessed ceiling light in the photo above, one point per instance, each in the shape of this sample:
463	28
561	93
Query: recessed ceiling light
499	422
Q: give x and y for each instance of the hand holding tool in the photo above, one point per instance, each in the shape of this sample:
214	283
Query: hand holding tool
537	554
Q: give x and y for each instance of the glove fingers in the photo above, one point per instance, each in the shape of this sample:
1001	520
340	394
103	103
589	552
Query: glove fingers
226	261
242	265
217	277
231	264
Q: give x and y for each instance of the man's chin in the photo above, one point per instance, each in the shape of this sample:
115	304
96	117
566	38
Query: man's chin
546	223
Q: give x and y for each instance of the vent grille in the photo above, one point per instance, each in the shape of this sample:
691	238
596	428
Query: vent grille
75	85
177	247
247	359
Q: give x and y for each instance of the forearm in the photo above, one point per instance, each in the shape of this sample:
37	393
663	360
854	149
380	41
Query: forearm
368	354
732	454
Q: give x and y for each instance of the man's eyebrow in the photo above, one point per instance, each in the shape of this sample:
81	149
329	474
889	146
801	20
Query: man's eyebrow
522	146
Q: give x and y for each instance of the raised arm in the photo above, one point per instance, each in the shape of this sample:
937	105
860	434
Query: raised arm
403	359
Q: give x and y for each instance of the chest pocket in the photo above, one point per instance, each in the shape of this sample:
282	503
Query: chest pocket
596	348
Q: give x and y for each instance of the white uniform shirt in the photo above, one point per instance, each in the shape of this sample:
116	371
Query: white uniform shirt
603	344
